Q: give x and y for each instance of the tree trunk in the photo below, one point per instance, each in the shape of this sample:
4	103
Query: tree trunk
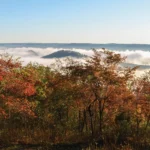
91	120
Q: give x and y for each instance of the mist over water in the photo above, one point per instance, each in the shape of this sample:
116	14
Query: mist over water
137	54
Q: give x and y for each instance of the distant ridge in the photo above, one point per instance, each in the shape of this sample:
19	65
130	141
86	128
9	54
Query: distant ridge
32	53
64	53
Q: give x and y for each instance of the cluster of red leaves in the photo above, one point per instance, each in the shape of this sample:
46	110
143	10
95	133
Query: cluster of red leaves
15	89
29	89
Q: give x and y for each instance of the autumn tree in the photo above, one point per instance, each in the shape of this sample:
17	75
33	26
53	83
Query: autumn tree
102	90
141	108
15	88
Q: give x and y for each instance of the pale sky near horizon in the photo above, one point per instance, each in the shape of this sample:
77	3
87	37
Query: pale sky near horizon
75	21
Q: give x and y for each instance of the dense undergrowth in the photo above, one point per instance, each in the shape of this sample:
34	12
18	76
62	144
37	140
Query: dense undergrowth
97	103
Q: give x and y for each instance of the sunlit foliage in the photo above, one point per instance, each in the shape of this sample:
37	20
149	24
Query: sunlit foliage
95	101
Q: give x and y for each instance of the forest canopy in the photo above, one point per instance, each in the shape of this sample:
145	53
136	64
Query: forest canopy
95	101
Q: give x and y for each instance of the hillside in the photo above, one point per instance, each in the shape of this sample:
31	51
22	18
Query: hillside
64	53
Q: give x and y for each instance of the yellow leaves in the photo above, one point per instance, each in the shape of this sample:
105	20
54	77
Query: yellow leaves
139	108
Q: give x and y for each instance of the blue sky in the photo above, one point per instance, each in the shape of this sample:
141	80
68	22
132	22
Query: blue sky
79	21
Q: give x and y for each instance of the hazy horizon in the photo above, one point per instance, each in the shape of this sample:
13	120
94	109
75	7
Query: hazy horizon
74	43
